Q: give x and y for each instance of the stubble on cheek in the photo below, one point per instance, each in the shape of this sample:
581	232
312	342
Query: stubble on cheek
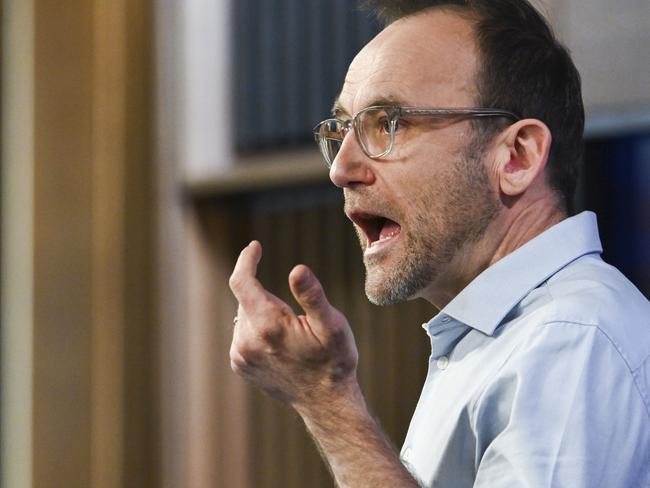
449	215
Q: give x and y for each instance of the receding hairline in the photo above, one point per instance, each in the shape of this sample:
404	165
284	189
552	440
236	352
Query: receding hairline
462	10
458	11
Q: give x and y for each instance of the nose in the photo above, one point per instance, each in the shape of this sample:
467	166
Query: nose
351	167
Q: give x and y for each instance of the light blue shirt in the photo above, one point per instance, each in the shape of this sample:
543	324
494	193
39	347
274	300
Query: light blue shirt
539	374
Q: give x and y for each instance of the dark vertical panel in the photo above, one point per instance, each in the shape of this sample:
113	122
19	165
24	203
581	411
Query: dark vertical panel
319	60
290	60
270	63
340	37
141	334
292	115
617	188
247	91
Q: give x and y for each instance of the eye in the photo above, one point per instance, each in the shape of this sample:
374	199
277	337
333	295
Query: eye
385	124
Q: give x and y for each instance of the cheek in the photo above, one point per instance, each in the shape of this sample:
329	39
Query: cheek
419	185
422	200
431	151
423	180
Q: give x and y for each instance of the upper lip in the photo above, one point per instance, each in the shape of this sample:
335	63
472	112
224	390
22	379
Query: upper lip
369	221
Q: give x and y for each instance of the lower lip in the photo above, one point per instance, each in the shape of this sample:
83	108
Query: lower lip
380	246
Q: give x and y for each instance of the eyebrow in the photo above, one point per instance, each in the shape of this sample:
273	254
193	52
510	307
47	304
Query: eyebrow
337	108
393	100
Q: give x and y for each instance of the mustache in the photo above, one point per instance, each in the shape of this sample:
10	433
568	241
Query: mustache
367	202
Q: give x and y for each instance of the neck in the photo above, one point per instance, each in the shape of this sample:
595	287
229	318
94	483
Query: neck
510	230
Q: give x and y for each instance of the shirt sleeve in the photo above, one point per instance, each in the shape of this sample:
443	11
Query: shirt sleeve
563	411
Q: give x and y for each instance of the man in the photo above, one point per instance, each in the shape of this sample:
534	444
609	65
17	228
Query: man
456	138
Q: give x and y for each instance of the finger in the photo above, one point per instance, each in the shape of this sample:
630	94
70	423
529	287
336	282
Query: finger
309	293
243	283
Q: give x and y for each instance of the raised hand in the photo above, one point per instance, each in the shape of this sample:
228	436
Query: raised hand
297	358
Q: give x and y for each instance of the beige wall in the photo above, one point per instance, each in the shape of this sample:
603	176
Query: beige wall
78	372
17	242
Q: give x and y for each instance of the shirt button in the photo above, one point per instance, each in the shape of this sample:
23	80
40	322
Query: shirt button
407	454
445	319
443	362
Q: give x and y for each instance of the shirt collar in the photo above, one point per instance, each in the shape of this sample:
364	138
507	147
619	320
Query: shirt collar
485	302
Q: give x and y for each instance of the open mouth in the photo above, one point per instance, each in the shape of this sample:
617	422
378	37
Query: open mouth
377	228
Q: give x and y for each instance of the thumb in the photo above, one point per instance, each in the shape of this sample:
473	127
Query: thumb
309	293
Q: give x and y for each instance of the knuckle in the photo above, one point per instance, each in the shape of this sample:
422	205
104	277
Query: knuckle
337	337
244	354
234	281
271	332
239	365
236	366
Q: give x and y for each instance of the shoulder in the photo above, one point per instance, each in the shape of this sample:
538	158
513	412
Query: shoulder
591	293
571	393
589	324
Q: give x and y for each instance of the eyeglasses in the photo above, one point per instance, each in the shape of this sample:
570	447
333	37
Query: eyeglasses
378	127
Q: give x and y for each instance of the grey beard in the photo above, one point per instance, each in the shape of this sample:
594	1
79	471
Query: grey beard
470	206
404	283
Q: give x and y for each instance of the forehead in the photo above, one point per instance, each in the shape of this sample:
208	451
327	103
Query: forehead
426	60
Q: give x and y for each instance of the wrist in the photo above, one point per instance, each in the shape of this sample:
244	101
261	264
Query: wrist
351	441
341	398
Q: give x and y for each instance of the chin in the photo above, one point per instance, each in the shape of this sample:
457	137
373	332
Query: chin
396	284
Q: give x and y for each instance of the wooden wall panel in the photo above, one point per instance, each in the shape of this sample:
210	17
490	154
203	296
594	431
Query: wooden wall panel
16	285
63	245
217	405
90	251
306	226
139	325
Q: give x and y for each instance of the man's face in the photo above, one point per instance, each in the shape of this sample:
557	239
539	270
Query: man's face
430	199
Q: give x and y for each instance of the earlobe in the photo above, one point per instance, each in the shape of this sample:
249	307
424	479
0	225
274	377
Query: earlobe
523	156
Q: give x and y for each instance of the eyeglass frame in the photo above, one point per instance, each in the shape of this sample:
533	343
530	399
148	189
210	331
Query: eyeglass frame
395	112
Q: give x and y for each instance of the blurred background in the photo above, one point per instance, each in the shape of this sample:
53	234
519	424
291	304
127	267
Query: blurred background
144	142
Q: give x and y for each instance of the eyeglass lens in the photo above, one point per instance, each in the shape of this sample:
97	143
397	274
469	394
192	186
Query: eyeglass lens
373	130
330	137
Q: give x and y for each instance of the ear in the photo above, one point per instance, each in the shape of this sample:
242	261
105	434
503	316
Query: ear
522	154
